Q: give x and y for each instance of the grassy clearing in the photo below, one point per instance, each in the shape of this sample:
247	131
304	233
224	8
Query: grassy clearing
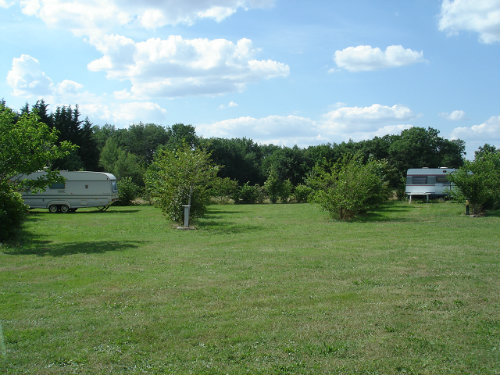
256	289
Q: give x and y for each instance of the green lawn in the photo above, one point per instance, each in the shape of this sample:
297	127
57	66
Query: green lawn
259	289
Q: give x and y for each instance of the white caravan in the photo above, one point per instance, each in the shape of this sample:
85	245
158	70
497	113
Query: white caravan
429	182
79	189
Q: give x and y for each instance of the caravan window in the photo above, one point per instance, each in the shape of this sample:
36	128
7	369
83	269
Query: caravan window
114	187
442	179
419	180
57	185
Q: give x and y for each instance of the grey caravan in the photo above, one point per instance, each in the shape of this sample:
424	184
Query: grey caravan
79	189
429	182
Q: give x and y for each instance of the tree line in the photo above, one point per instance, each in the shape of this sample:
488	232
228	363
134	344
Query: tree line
129	152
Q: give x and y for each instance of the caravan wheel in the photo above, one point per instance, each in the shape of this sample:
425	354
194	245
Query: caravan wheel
64	208
53	209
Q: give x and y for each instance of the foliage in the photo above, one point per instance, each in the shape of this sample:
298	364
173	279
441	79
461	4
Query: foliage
277	188
418	147
127	191
121	163
285	191
479	181
351	187
12	211
249	194
302	193
224	188
26	145
241	157
287	164
179	177
272	186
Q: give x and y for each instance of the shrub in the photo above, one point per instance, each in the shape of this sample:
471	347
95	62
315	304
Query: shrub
302	193
250	194
351	187
179	177
127	191
285	191
478	181
276	188
224	188
12	212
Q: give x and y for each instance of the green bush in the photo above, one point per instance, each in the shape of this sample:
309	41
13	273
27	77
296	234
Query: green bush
478	181
277	188
351	187
127	191
12	212
179	177
250	194
285	191
302	193
224	189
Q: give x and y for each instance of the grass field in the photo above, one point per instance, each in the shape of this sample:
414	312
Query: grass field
259	289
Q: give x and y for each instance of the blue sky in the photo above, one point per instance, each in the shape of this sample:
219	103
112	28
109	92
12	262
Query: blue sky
283	72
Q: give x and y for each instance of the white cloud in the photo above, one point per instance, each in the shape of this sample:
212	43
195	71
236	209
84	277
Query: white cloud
29	81
342	124
124	113
366	58
231	104
480	16
170	67
455	115
177	67
27	78
276	129
356	119
84	17
477	135
6	4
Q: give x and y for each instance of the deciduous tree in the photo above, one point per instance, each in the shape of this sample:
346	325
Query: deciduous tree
179	177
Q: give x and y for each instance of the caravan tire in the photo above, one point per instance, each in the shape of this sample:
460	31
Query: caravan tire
53	209
64	209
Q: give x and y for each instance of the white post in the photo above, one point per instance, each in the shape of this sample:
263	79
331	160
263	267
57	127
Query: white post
187	208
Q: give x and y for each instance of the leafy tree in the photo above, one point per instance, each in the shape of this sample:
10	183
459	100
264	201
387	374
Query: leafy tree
127	191
180	135
479	181
418	147
277	189
179	177
302	193
224	188
144	139
120	162
272	186
351	187
26	145
241	159
288	164
485	149
249	194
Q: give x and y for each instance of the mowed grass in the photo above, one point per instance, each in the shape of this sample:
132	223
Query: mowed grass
259	289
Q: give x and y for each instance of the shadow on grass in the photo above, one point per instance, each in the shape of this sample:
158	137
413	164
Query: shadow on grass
80	212
492	213
217	227
34	246
217	222
381	214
